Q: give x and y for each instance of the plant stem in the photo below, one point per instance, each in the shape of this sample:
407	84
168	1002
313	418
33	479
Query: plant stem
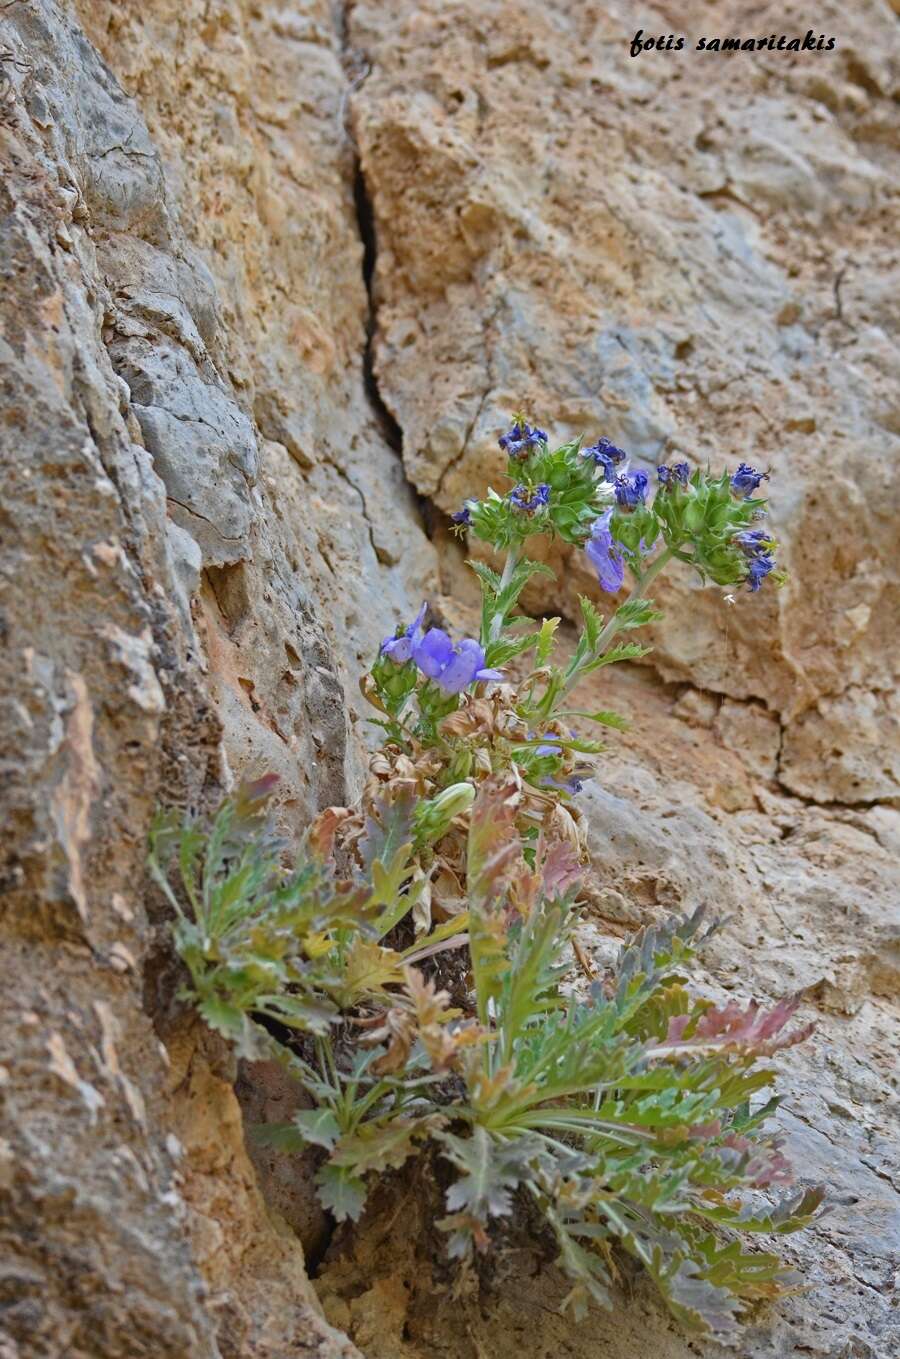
509	567
637	591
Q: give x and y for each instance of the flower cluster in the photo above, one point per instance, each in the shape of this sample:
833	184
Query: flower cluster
593	499
568	493
758	548
607	456
529	502
522	439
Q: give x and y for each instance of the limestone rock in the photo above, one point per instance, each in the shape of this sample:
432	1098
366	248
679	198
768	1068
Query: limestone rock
131	1222
853	740
207	530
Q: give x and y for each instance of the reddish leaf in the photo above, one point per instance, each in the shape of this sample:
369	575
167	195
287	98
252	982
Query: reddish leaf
730	1028
320	836
494	845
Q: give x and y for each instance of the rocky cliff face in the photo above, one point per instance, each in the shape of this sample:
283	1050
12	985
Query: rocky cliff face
222	454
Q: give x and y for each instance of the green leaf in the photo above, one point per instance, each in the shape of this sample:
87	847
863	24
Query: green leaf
584	1267
530	986
491	1171
593	623
318	1126
499	597
382	1146
697	1303
789	1215
283	1136
250	1042
546	638
507	648
603	718
311	1014
489	578
341	1193
624	651
636	613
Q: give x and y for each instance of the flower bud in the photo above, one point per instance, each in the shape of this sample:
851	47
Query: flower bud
433	816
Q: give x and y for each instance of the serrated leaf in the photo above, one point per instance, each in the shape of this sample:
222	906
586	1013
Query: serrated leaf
312	1014
507	648
590	1276
317	1126
636	613
729	1027
624	651
604	718
388	830
788	1215
486	575
342	1193
491	1171
698	1304
368	969
283	1136
546	638
226	1019
593	623
500	596
380	1147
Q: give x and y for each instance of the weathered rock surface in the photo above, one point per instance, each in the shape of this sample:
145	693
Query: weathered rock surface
165	559
205	530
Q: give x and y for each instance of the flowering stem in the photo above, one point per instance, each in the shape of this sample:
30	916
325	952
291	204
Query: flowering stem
499	618
638	590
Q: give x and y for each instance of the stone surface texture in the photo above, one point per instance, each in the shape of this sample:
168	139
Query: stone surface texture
226	463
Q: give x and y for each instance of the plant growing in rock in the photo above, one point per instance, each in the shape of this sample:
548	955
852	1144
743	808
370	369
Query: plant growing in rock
454	711
299	947
632	1113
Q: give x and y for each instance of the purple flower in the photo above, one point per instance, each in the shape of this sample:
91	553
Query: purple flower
677	473
605	455
548	750
606	555
400	649
453	668
758	548
571	785
754	542
631	488
519	497
463	516
519	441
746	479
757	570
